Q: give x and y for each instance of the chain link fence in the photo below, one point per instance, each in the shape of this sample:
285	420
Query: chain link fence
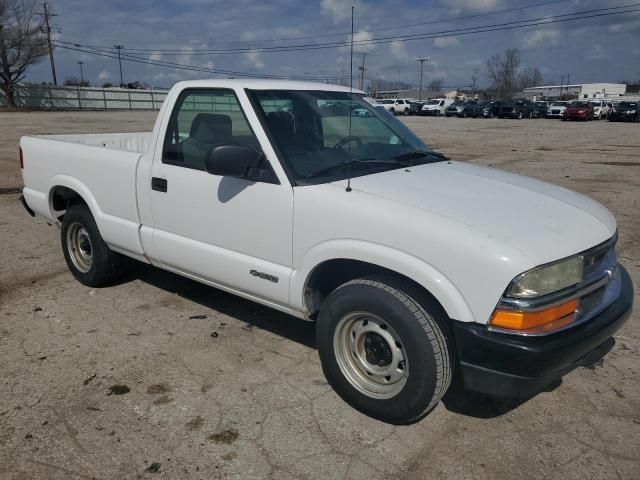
47	97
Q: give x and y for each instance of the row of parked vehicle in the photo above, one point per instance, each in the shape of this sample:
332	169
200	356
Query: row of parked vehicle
517	108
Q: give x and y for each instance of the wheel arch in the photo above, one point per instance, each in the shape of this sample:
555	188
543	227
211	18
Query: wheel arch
321	274
66	191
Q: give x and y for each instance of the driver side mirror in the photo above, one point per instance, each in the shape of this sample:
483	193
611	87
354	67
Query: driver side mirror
233	161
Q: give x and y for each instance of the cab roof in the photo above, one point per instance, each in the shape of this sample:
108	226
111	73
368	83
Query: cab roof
264	84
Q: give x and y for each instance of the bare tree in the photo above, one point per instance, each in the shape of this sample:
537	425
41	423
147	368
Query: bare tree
22	43
502	69
436	85
530	77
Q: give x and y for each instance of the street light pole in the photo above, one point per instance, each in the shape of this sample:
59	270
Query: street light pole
119	48
421	60
81	74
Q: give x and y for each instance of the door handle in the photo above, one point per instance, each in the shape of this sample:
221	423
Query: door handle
159	184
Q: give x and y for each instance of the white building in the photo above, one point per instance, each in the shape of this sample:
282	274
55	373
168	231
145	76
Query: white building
579	91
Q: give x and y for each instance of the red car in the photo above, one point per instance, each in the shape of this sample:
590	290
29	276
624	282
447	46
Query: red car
578	111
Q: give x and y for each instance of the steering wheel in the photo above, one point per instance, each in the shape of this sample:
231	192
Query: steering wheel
348	139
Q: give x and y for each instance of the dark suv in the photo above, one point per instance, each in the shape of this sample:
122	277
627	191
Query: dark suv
625	111
516	109
462	109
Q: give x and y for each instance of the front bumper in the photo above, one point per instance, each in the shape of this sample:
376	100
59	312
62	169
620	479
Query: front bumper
575	116
429	112
510	114
623	117
518	366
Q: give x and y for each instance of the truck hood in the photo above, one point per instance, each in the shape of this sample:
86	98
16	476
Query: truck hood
545	222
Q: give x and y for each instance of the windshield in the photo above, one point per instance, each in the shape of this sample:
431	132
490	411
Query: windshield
434	102
626	105
559	104
578	105
311	132
386	102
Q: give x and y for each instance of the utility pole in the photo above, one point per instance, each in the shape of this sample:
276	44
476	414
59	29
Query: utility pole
48	32
475	79
119	48
421	60
362	69
568	80
81	74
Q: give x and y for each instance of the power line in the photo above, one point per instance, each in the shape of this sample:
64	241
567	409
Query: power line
394	27
466	31
581	15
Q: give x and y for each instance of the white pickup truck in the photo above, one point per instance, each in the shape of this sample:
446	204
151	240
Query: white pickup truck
418	271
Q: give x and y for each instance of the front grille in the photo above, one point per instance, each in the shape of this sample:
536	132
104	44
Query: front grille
555	112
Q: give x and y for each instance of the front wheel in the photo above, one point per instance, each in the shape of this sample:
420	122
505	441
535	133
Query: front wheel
88	257
382	351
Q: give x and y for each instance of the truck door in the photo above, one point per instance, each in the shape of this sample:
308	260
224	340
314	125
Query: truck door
231	232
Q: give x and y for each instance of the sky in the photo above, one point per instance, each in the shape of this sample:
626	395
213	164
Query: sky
602	49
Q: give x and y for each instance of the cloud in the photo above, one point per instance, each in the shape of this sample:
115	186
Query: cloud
542	38
185	56
104	75
255	59
361	36
475	5
444	42
339	10
155	56
398	50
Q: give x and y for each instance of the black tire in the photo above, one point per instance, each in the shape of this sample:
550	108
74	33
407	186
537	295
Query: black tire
392	111
420	339
105	265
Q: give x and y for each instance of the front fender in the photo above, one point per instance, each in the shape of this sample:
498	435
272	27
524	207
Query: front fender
415	268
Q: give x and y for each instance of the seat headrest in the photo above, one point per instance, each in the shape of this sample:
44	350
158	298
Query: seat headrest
281	123
211	128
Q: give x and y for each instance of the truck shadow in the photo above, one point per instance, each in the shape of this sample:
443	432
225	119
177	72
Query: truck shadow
478	405
251	313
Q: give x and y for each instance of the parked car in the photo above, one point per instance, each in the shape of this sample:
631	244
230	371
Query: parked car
396	106
415	107
408	286
601	109
557	109
539	109
436	106
578	111
462	109
516	109
489	109
625	111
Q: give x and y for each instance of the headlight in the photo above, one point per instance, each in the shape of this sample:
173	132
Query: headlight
547	279
630	112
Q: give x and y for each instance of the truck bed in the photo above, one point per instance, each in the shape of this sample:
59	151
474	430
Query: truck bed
101	168
130	142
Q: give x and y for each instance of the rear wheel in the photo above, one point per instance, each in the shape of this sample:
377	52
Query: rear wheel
382	351
88	257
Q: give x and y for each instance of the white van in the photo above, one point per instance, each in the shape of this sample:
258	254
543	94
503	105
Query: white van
435	106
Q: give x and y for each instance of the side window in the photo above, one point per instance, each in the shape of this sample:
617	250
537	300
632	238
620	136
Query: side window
201	121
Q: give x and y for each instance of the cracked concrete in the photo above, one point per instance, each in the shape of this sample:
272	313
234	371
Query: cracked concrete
251	401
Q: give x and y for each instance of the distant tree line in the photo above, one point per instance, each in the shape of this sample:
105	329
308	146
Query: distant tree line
507	77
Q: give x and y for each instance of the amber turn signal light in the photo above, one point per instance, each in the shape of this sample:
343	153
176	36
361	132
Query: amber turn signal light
515	320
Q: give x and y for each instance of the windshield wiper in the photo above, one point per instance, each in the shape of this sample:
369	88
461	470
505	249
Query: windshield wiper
420	154
390	161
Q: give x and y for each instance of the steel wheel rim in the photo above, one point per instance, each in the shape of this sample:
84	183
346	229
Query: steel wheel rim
362	338
80	247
